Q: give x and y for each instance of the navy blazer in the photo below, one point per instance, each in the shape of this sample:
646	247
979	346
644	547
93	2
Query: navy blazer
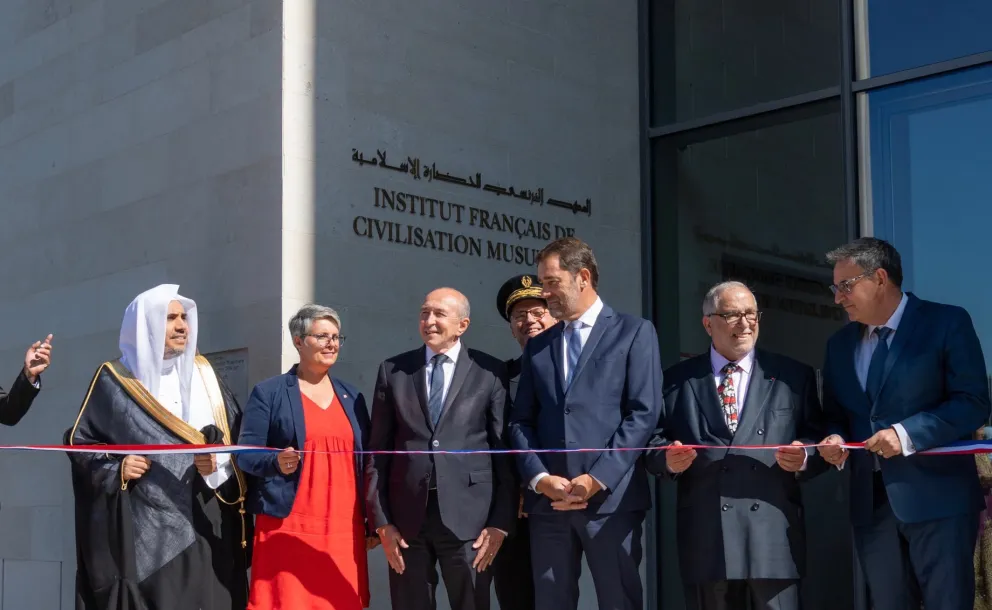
614	400
934	383
273	418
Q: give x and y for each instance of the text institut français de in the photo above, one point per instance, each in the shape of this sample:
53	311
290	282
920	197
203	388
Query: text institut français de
435	239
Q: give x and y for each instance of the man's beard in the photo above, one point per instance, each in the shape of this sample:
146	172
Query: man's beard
173	352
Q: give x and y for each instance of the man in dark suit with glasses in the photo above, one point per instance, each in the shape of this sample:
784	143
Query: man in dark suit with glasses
905	375
740	514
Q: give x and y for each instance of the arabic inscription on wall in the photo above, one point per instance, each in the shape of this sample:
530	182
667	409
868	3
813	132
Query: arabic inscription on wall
420	221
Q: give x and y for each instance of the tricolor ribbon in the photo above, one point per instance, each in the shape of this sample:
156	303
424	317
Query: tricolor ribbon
955	448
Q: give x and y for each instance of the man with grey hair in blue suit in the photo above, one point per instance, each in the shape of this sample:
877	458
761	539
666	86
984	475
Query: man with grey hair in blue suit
905	375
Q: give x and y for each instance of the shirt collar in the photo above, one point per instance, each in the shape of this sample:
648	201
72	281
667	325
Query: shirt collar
589	317
717	361
895	318
452	353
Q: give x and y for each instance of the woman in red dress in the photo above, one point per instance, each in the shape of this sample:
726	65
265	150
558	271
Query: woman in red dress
311	536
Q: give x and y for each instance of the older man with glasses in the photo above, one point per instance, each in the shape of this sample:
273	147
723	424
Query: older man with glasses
743	507
904	376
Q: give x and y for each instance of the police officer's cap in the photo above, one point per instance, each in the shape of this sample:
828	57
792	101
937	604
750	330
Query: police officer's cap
517	289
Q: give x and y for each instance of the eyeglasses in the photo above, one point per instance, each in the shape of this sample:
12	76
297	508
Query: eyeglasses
846	286
323	340
537	312
733	317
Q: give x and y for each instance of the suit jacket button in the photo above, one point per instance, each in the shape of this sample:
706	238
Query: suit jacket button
436	443
761	432
724	468
754	507
726	507
874	418
567	410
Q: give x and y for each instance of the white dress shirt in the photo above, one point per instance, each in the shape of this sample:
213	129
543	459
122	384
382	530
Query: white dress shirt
169	394
447	367
862	360
586	321
200	415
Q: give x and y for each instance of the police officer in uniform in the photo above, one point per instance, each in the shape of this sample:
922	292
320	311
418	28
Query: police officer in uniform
520	302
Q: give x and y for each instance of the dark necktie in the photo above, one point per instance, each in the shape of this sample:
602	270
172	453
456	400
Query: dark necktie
435	400
728	396
574	349
873	383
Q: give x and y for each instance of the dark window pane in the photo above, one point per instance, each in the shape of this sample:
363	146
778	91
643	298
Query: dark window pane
930	159
904	34
763	205
711	56
761	202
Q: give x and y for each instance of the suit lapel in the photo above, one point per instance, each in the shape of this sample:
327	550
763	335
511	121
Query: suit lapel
296	404
420	383
462	368
847	366
759	388
603	321
907	327
703	386
556	354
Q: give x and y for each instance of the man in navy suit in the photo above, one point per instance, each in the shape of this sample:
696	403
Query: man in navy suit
906	375
592	381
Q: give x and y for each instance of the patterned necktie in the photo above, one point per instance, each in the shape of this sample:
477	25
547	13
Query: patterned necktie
435	400
574	349
873	383
728	395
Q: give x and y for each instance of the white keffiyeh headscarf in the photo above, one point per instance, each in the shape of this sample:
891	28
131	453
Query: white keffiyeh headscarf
142	340
142	344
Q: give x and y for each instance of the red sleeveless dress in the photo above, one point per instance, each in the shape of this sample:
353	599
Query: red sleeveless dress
315	559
